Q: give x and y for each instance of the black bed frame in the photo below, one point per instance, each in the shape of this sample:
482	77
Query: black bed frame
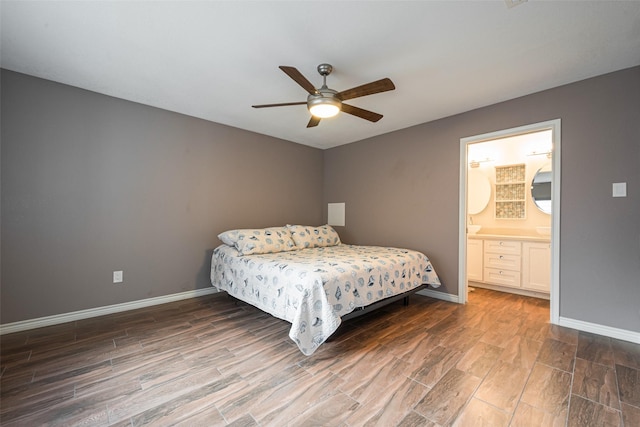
360	311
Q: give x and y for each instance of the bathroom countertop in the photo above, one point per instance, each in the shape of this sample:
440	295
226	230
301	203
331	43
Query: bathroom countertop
528	238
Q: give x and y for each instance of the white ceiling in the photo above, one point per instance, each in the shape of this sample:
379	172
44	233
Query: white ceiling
215	59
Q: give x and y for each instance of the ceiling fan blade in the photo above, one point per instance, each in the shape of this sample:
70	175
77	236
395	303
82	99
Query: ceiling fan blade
359	112
378	86
299	78
280	105
313	122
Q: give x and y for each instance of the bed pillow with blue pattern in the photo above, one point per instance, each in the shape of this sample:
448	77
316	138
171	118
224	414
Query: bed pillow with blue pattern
259	240
306	236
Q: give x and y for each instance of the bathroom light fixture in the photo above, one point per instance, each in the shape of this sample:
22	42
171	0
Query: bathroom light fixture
535	153
514	3
476	163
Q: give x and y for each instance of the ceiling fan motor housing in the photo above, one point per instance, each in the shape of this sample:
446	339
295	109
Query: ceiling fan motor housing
325	69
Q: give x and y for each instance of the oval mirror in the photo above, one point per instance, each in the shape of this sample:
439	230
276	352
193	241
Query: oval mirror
478	191
541	189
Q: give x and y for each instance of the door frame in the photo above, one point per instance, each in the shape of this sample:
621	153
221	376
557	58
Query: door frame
555	127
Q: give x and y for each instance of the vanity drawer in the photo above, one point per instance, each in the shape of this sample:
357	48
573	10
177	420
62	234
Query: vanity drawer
501	261
502	277
512	247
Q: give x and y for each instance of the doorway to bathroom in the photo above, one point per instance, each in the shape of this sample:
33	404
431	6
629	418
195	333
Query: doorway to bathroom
509	219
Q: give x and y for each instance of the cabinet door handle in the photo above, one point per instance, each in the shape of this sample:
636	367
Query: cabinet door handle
501	257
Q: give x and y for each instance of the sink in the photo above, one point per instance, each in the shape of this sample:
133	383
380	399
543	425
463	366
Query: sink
545	231
473	228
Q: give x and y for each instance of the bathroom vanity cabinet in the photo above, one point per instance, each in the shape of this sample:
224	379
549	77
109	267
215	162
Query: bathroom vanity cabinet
474	259
536	266
510	263
502	262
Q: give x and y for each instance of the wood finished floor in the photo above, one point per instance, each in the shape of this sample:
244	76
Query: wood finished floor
211	361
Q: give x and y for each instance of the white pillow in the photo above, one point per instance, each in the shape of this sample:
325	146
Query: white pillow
259	241
305	236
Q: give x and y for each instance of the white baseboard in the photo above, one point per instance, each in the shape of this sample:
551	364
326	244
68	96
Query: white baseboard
594	328
439	295
25	325
509	290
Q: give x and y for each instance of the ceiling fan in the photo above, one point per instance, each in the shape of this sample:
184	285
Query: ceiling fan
325	102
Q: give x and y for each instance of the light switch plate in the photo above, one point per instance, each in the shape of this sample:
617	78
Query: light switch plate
619	189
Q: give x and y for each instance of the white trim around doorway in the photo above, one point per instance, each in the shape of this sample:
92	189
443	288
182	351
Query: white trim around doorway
554	126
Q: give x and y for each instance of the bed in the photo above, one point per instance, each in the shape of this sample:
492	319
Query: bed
308	277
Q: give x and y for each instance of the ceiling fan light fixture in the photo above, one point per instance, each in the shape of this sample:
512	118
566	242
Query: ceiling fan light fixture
323	106
324	110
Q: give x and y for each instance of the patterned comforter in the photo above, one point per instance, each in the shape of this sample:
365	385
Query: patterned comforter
312	288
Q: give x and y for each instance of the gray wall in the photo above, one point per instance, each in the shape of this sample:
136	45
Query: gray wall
93	184
402	189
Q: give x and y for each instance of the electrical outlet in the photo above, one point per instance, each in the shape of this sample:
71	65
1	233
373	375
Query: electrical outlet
117	276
